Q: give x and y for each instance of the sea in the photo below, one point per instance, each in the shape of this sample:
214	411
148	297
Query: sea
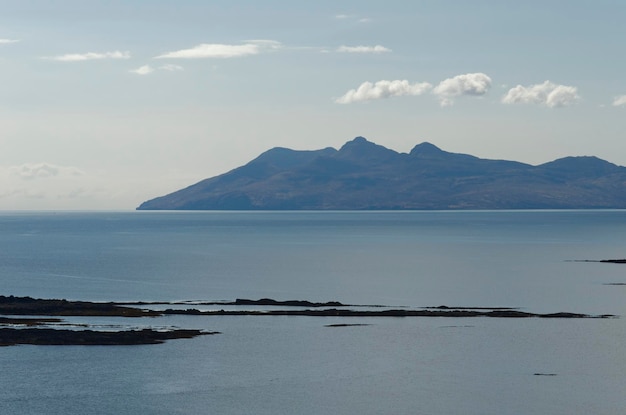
537	261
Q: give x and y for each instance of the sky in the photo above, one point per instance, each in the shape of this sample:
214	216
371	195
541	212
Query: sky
106	104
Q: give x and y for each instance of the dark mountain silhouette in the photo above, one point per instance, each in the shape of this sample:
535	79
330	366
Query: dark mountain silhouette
364	175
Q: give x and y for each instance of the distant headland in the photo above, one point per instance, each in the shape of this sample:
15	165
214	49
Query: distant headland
362	175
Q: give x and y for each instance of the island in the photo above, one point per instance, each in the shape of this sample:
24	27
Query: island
362	175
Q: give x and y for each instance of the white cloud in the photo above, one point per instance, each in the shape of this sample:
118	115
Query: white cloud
222	51
363	49
30	171
342	16
171	67
368	91
6	41
143	70
78	57
475	84
266	43
549	94
147	69
619	101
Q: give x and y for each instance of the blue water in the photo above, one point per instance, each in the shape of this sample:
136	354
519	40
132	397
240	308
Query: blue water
293	365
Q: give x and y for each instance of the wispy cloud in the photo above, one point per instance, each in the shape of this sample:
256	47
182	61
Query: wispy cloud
363	49
143	70
222	51
78	57
30	171
22	193
352	17
147	69
368	91
619	101
474	84
548	94
7	41
171	67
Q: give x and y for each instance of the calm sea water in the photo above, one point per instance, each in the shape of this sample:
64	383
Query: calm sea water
296	365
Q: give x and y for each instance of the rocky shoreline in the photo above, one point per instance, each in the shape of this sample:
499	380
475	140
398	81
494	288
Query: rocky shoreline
56	337
27	306
37	330
333	312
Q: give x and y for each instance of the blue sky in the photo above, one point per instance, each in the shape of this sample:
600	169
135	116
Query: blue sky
105	104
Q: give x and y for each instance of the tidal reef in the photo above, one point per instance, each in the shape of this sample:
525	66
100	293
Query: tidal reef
333	312
29	331
27	306
346	325
604	261
245	301
54	337
288	303
5	321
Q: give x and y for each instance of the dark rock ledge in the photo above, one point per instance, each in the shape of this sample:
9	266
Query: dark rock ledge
27	306
30	333
29	322
346	325
40	307
604	261
54	337
261	302
333	312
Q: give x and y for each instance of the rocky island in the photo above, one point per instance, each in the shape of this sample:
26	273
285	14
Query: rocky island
362	175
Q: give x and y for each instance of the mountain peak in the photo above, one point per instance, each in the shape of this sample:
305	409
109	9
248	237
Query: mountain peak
362	149
426	149
358	141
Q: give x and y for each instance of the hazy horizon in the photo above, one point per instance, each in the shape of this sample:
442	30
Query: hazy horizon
106	104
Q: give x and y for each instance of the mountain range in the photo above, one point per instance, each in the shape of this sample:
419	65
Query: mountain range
362	175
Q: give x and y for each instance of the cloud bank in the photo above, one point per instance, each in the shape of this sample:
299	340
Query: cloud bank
31	171
78	57
368	91
548	94
474	84
7	41
222	51
363	49
619	101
